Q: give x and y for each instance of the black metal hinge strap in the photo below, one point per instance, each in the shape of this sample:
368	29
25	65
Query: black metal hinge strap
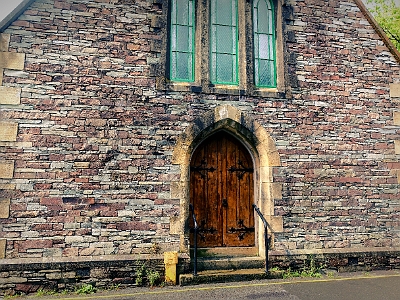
242	170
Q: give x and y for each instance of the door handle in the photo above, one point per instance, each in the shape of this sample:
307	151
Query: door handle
224	203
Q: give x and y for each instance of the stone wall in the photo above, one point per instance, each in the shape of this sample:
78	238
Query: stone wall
29	276
87	138
340	183
91	173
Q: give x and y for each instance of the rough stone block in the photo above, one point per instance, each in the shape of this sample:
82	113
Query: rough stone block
11	60
4	41
157	22
10	95
12	280
8	131
4	208
3	244
6	169
7	186
54	275
82	164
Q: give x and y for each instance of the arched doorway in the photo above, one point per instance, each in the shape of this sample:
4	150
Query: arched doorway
222	192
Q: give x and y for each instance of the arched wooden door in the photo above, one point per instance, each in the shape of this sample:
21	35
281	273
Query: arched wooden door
221	192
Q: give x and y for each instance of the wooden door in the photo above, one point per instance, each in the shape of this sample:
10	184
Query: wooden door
221	192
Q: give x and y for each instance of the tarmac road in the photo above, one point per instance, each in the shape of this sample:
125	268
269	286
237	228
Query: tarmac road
351	286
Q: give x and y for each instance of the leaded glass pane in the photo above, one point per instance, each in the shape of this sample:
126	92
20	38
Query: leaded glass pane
224	12
225	68
263	20
183	65
223	41
182	15
264	44
263	48
182	40
266	73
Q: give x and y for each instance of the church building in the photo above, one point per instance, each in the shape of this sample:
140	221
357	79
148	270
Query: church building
123	121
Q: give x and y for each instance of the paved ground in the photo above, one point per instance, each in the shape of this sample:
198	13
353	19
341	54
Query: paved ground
382	285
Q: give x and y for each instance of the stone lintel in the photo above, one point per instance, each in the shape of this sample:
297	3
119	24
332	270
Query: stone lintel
8	131
3	244
12	60
7	169
4	208
9	95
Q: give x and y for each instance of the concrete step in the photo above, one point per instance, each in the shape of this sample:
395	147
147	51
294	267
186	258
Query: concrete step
219	276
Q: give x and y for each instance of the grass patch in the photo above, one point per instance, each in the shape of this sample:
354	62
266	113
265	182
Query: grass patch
85	289
310	269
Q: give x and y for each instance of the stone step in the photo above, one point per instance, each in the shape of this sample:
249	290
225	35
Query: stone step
219	276
229	263
225	252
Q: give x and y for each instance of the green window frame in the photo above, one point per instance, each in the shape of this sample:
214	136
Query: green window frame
182	40
224	42
264	44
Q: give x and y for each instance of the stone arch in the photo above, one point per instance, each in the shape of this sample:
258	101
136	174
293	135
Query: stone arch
262	148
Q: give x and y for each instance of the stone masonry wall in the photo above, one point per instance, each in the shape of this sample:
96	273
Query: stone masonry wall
91	170
27	277
92	156
341	188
